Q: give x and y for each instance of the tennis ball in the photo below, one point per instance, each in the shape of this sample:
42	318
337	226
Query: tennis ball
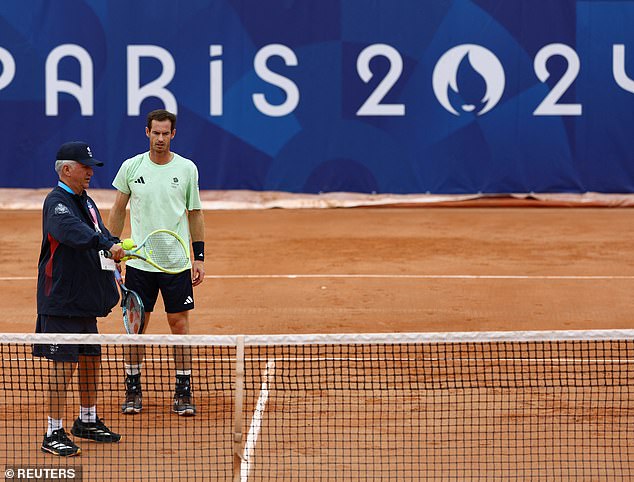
127	244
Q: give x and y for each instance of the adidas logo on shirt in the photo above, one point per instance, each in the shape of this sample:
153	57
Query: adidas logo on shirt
140	181
188	300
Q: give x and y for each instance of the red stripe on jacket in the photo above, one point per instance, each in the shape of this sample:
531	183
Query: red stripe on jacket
48	282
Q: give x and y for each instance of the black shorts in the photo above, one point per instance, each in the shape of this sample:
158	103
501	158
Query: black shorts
176	289
66	324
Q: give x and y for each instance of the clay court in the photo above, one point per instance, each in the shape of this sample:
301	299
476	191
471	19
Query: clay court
382	270
379	270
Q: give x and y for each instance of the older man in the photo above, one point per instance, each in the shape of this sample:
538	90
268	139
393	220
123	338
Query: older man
75	286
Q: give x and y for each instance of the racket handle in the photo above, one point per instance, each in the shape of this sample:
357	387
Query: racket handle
108	254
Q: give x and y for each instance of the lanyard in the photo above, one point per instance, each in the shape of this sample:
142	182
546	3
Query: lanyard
89	205
93	215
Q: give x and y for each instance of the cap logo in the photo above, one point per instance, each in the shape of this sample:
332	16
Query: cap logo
88	151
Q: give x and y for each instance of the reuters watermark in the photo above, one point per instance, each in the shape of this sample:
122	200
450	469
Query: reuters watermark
42	473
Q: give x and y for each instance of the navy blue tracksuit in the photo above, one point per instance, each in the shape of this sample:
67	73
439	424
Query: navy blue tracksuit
70	280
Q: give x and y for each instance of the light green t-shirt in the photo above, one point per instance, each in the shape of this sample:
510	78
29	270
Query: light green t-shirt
160	197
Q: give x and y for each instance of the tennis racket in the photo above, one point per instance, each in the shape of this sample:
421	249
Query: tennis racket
163	249
132	307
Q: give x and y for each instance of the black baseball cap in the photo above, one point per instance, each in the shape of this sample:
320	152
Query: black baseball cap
77	151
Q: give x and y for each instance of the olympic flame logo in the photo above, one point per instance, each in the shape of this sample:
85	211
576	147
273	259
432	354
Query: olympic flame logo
482	61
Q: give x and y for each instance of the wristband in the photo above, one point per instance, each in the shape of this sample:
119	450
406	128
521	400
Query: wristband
199	250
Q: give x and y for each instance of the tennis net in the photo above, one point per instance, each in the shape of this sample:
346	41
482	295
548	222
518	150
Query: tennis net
407	407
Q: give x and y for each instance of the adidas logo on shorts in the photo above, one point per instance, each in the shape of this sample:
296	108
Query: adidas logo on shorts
189	300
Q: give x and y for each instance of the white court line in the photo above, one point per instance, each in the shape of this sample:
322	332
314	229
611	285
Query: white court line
388	276
256	422
560	360
421	276
563	360
554	361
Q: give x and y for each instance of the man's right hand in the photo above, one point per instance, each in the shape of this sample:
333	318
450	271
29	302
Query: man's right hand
117	252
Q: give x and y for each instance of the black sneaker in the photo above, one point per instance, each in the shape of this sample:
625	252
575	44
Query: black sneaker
183	405
133	395
59	444
133	403
96	431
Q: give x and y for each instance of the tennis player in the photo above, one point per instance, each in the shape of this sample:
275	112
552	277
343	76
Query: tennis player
75	285
162	188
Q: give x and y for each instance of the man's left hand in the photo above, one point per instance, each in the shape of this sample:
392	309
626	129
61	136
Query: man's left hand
198	272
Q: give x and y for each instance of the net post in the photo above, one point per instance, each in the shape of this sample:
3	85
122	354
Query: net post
237	417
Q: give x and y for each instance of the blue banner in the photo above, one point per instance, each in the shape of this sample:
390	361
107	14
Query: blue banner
386	96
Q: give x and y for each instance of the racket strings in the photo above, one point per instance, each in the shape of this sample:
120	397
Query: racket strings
133	313
166	251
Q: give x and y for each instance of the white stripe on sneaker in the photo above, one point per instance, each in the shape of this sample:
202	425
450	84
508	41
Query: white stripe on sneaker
60	445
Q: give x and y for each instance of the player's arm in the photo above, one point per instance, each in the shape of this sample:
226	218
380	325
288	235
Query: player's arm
116	250
116	219
197	233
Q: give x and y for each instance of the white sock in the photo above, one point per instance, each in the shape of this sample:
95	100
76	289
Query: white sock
53	424
184	372
132	369
88	414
